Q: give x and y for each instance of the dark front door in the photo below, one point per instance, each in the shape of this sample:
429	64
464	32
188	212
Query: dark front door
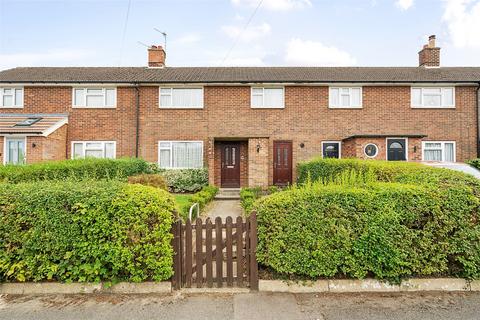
282	163
396	150
231	165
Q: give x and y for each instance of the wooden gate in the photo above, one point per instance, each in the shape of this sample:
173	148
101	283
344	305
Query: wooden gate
215	254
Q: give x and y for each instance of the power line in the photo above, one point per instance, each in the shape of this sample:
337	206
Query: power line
125	31
242	31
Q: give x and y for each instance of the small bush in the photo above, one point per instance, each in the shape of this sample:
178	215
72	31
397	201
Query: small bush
385	230
185	180
75	169
152	180
85	231
474	163
248	196
203	197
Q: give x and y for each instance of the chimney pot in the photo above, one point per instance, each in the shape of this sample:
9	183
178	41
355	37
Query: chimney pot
429	56
156	56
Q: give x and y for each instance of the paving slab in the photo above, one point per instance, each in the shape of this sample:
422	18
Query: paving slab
266	306
223	209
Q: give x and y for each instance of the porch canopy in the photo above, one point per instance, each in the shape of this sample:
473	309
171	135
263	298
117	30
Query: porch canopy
31	124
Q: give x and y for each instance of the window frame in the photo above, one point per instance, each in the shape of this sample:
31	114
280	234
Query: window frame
252	88
104	93
202	88
339	88
441	106
171	153
84	142
14	98
442	142
339	147
376	147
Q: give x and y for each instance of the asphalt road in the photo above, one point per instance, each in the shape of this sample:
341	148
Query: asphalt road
264	306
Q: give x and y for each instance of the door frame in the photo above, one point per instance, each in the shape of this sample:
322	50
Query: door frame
222	154
291	159
333	141
13	137
396	138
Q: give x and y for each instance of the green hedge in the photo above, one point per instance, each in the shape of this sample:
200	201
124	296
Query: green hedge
85	231
474	163
385	171
75	169
248	196
385	230
185	180
203	197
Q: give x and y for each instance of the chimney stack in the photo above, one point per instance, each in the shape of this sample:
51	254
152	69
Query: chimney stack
156	57
429	56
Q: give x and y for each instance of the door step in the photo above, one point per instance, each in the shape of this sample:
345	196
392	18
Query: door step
228	194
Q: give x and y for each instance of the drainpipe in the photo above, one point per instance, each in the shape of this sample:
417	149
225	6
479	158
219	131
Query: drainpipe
137	120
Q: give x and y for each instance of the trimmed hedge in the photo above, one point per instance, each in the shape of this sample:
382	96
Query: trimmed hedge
85	231
385	230
474	163
185	180
248	196
385	171
75	169
203	197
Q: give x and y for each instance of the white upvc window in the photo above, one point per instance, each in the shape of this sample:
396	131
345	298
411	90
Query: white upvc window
440	151
180	154
94	97
267	97
433	97
11	97
181	98
94	149
345	97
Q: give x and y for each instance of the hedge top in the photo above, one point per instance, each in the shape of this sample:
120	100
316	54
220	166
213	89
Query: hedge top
80	169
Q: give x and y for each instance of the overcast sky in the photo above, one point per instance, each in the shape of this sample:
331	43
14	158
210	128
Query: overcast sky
218	32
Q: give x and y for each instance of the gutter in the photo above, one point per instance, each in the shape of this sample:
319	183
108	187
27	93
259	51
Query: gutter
137	119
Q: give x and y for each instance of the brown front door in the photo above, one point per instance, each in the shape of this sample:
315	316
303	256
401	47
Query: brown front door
282	163
231	165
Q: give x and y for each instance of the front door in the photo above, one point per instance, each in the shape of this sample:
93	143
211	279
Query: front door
396	150
230	165
15	151
282	163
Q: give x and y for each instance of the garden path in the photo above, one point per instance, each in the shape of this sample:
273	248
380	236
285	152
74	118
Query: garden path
223	209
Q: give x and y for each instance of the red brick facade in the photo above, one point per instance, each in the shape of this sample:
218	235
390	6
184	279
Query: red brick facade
306	120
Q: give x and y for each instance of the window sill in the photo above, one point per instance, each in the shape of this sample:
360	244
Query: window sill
348	108
252	107
12	107
416	107
179	108
109	107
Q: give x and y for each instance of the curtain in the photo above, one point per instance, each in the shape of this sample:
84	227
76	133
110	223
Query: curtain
449	152
187	155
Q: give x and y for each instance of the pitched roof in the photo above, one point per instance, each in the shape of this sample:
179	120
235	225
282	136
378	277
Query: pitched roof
31	124
238	74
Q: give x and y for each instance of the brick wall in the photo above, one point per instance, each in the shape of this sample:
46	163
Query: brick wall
355	148
305	119
53	147
258	173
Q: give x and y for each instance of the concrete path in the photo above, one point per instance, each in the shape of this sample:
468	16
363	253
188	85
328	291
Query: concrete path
463	167
251	306
223	209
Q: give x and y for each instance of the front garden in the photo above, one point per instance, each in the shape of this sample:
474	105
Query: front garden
93	220
356	219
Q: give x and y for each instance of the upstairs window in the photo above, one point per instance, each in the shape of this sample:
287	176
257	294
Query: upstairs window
433	97
267	97
180	154
181	98
341	97
93	149
11	97
94	97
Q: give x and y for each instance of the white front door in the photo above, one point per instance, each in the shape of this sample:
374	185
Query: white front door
15	151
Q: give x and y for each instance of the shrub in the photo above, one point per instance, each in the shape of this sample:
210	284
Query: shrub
248	196
369	170
85	231
385	230
152	180
185	180
474	163
75	169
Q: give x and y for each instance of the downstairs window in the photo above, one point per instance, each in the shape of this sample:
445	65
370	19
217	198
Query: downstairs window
93	149
180	154
440	151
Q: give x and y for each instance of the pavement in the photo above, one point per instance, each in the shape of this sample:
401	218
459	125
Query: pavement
223	209
251	306
457	166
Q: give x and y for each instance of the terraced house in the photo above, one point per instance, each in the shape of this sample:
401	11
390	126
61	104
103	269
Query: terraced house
249	126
